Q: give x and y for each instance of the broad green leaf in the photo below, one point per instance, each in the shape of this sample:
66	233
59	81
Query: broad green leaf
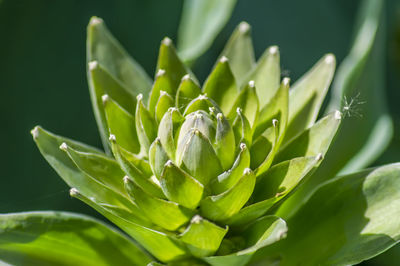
312	141
180	187
104	48
187	91
307	95
146	126
163	104
224	144
200	23
273	186
347	220
101	82
166	214
103	169
196	155
221	85
229	178
49	145
137	169
167	131
160	244
223	206
260	149
266	75
169	61
239	50
359	90
164	83
121	124
264	232
60	238
203	237
247	100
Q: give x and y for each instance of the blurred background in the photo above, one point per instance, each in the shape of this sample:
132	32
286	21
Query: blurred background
43	79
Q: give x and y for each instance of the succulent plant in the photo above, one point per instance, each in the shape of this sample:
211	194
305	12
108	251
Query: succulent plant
195	175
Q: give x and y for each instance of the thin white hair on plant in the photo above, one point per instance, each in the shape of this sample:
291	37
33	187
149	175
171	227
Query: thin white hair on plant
352	106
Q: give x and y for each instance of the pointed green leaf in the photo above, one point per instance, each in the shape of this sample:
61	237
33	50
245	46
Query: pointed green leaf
239	50
241	128
167	131
274	186
229	178
49	145
221	207
121	124
201	121
180	187
196	155
60	238
277	108
264	232
157	158
101	82
312	141
203	237
146	126
137	169
164	83
354	218
161	245
163	104
104	48
187	91
169	61
200	23
224	144
104	169
202	102
266	75
307	95
221	85
166	214
247	100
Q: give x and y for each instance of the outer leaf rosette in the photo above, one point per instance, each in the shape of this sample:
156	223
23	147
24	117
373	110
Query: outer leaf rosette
195	173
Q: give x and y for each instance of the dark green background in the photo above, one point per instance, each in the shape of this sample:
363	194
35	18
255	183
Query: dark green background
43	79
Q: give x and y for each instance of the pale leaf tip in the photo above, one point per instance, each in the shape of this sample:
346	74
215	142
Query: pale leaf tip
112	138
139	97
244	27
35	132
247	171
243	146
73	192
105	98
64	146
223	59
186	77
251	83
286	81
338	115
93	65
273	50
126	179
220	116
155	180
95	21
275	122
196	219
160	72
329	59
239	111
167	41
319	157
169	163
202	96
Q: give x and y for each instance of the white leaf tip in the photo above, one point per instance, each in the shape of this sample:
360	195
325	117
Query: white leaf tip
167	41
329	59
247	171
139	97
35	132
196	219
223	59
92	65
244	27
96	21
64	146
169	163
73	192
105	98
286	81
126	179
186	77
243	146
319	157
273	50
112	138
275	122
160	72
338	115
251	83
